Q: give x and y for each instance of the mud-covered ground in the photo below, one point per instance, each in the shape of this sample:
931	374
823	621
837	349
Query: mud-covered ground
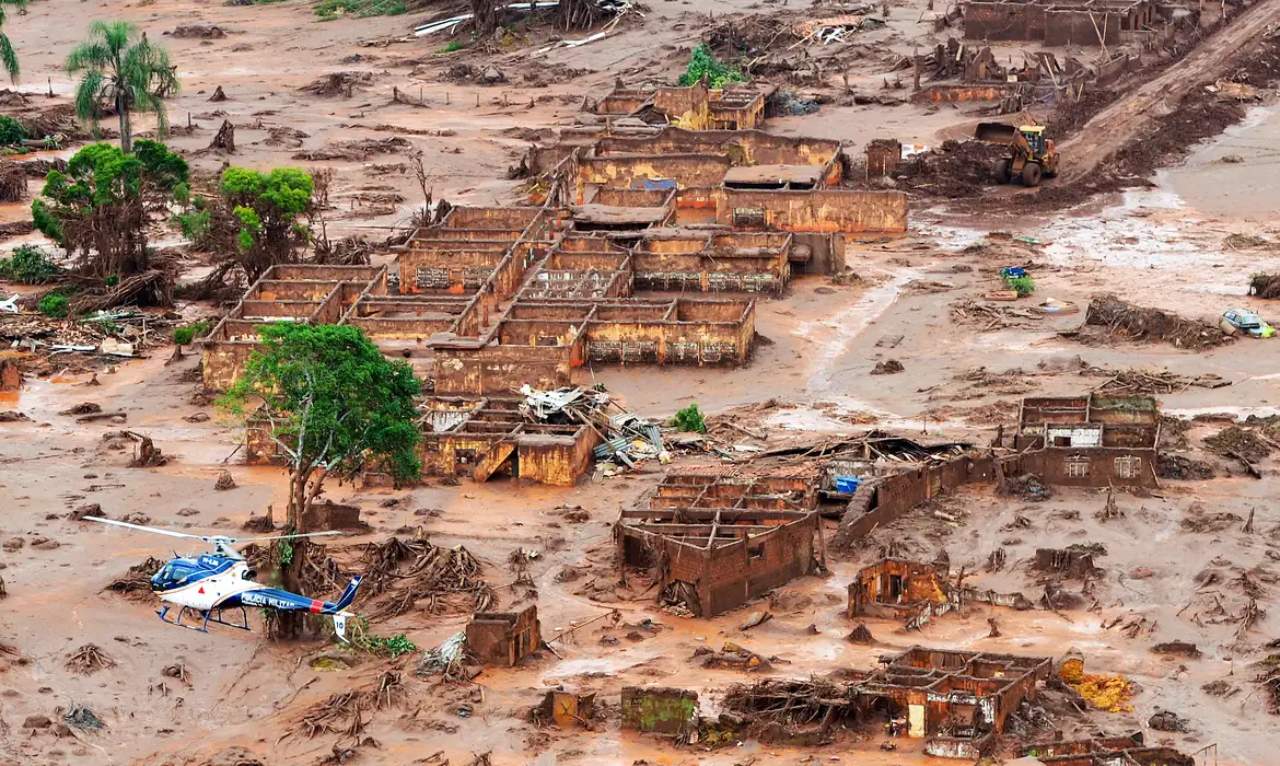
1178	564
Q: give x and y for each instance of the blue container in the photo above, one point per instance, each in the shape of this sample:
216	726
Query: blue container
847	485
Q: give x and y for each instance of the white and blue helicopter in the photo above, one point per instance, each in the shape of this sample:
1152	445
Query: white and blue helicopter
211	583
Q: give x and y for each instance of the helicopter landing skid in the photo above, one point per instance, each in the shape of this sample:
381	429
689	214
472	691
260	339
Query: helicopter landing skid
211	616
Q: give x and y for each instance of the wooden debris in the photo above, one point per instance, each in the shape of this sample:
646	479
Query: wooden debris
89	659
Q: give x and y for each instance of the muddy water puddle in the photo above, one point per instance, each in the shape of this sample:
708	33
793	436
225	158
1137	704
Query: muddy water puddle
1233	175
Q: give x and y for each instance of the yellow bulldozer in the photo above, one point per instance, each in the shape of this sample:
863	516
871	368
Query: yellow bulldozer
1031	155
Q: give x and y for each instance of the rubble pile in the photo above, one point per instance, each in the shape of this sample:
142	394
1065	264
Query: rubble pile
776	709
136	583
1133	382
1239	442
89	659
101	335
449	660
401	573
1265	286
1126	320
627	438
356	150
344	713
954	169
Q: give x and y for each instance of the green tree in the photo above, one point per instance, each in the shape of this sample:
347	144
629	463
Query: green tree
8	56
332	403
703	64
265	213
99	208
123	73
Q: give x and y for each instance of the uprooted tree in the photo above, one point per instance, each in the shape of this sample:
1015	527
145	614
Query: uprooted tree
99	209
332	404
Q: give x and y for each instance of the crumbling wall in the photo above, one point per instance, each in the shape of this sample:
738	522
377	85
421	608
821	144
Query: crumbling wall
223	363
1003	21
1095	467
1080	26
743	147
737	573
943	93
819	210
696	170
555	460
504	638
659	710
498	369
893	496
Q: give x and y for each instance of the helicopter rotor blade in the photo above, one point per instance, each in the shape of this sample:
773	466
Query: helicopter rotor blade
239	540
140	528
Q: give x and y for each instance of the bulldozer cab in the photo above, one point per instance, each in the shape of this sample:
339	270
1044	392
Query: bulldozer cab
1034	136
1031	155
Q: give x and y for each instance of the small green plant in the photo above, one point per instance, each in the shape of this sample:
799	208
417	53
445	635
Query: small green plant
55	305
704	64
452	46
194	225
1023	286
11	132
286	553
387	646
29	266
690	419
184	334
328	10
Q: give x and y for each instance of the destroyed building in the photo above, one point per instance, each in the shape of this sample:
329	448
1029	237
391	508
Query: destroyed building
958	702
1075	22
489	299
542	437
914	476
504	638
1090	441
916	591
1130	750
696	107
714	542
897	587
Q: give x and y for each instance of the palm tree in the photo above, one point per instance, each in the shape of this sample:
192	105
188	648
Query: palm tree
8	57
122	72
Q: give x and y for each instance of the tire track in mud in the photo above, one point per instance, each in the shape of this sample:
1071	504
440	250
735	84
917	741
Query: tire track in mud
1124	121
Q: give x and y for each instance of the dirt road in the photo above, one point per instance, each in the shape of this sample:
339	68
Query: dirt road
1134	114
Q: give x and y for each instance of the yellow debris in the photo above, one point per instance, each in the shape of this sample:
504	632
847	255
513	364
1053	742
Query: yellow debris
1072	671
1109	693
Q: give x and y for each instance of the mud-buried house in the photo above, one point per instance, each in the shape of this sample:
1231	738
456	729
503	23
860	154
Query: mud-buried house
1090	441
714	542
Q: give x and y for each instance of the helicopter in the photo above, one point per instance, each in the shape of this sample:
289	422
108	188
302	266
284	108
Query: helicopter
210	583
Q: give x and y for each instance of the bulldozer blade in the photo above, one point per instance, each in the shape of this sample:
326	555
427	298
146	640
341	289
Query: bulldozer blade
996	132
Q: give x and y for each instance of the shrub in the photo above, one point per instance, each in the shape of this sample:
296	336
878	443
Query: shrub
29	266
703	63
11	132
690	419
194	225
184	334
54	305
1021	285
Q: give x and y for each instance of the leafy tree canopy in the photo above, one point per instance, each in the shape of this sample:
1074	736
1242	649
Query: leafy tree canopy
101	205
332	402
